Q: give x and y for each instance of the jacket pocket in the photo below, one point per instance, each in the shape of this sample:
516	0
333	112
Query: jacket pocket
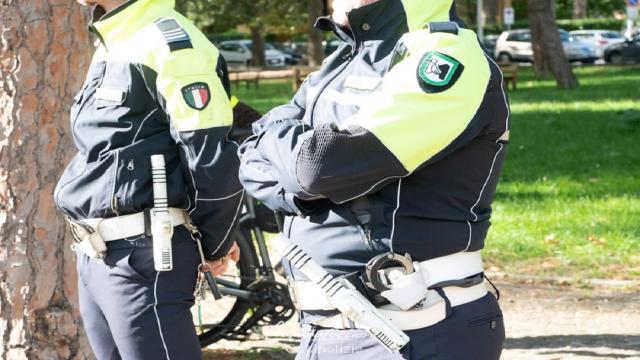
83	191
132	185
139	263
111	96
486	319
74	170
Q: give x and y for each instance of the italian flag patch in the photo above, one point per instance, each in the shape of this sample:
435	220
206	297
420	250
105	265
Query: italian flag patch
197	95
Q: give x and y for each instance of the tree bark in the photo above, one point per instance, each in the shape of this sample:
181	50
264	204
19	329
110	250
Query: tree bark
315	52
257	47
580	8
44	51
548	53
491	11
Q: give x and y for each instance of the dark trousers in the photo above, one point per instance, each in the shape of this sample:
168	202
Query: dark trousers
473	331
132	312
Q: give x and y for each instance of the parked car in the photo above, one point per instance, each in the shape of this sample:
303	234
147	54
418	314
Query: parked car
626	52
489	43
238	52
292	57
600	39
515	45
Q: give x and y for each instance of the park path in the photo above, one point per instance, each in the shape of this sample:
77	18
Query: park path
543	323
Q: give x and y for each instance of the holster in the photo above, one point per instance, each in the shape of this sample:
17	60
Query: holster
88	240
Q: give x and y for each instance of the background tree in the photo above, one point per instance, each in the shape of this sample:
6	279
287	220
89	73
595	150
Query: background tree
548	53
217	16
491	11
315	51
580	9
44	51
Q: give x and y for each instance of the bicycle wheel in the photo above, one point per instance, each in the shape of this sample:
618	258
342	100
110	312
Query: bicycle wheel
215	319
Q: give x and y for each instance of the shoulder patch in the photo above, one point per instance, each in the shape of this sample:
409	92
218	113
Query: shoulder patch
197	95
176	37
438	72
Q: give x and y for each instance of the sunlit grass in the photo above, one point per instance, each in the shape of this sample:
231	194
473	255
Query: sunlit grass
569	200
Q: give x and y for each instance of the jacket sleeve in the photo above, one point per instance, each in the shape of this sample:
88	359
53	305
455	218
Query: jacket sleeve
435	100
260	176
200	114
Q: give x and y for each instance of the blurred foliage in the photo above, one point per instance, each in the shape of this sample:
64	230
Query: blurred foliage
595	8
566	24
564	10
219	16
288	17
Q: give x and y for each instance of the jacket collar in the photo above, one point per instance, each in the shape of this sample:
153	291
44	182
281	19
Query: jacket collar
420	12
127	18
384	18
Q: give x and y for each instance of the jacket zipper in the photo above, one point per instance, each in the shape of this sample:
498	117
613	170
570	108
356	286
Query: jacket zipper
80	105
365	231
115	200
350	56
114	205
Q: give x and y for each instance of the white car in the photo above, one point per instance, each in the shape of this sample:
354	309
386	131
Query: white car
516	46
600	39
238	52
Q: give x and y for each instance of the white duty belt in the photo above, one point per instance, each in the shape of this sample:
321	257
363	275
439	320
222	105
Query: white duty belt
126	226
308	296
91	235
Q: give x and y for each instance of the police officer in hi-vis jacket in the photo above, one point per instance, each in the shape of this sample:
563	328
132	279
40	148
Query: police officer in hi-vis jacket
156	86
386	163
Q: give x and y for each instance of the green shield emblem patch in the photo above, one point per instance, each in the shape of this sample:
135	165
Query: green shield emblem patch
438	72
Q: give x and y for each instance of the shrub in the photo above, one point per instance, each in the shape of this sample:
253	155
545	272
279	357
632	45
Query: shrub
567	24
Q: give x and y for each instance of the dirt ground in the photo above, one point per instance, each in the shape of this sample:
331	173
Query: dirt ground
543	323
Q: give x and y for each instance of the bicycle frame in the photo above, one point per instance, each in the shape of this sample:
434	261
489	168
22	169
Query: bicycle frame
265	267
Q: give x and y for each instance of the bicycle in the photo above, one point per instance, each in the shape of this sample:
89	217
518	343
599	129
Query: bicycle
252	295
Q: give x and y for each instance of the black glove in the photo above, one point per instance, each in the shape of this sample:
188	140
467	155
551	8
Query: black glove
243	116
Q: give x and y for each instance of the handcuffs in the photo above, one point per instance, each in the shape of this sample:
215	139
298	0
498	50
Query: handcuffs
375	275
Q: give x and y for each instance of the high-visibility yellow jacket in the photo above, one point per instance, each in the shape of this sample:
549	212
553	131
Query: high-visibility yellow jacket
156	85
396	143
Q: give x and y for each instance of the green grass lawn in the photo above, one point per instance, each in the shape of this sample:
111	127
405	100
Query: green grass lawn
569	200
